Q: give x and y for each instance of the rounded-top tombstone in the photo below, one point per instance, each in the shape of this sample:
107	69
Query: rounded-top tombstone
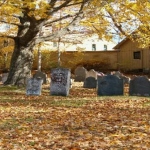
110	85
80	74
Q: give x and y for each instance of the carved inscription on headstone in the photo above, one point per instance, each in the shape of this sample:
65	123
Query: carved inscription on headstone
34	86
60	82
110	85
139	86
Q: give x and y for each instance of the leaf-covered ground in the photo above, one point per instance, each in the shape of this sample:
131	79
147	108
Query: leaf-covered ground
81	121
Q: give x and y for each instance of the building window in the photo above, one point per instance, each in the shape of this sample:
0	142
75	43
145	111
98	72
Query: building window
93	47
105	47
54	44
132	1
137	55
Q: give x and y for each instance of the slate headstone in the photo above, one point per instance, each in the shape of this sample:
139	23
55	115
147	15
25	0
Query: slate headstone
60	81
110	85
41	75
91	73
34	86
80	74
90	82
139	86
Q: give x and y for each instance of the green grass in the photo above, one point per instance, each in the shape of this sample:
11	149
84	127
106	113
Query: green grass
8	88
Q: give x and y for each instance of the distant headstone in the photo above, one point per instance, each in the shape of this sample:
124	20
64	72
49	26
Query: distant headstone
60	81
41	75
0	78
90	82
139	86
91	73
126	80
109	85
4	77
34	86
116	73
80	74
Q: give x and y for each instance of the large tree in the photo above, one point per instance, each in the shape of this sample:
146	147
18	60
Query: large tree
30	18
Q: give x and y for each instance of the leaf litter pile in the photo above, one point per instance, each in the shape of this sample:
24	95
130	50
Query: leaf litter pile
81	121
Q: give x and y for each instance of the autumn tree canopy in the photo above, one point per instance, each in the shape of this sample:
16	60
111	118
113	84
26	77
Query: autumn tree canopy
31	22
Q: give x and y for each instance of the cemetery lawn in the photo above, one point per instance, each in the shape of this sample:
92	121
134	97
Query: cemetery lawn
81	121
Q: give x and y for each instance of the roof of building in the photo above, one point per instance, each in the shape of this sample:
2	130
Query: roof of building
121	43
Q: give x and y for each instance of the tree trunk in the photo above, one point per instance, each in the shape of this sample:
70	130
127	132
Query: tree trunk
20	67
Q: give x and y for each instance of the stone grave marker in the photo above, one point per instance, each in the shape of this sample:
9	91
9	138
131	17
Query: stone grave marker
0	78
41	75
139	86
34	86
80	74
126	80
110	85
60	81
90	82
91	73
4	77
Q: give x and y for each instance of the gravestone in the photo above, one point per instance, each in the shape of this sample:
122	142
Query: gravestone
80	74
91	73
34	86
109	85
41	75
0	78
4	77
126	80
60	81
90	82
139	86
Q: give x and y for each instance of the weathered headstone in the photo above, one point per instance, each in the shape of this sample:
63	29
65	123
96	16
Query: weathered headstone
41	75
80	74
4	77
126	80
90	82
139	86
34	86
91	73
60	81
109	85
0	78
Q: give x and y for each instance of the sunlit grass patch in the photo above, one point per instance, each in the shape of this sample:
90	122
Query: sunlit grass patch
69	103
8	88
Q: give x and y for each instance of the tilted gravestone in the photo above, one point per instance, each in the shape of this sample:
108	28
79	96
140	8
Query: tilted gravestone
139	86
91	73
34	86
60	81
90	82
41	75
109	85
80	74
